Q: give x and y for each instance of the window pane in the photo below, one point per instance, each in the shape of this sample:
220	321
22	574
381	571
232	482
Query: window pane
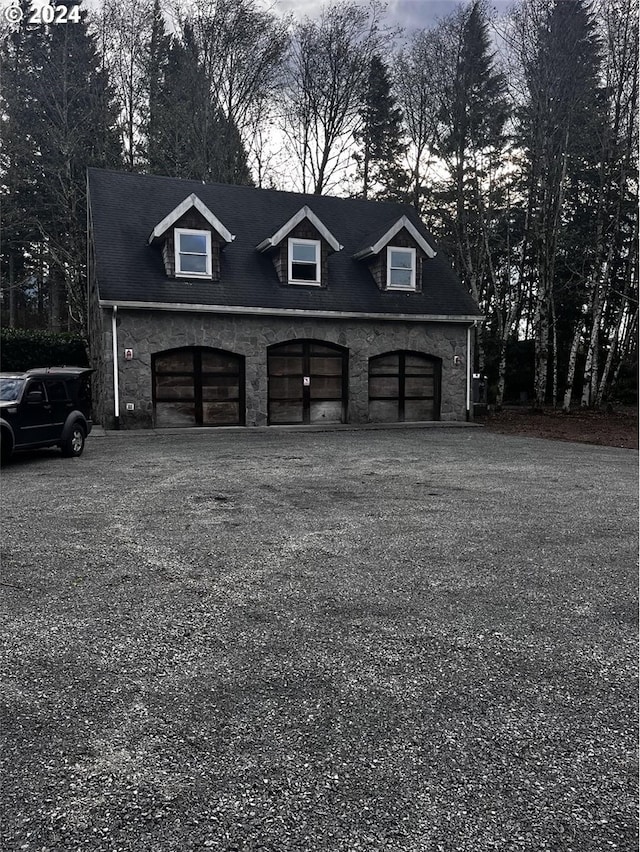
193	263
56	391
195	243
303	271
400	278
304	252
401	259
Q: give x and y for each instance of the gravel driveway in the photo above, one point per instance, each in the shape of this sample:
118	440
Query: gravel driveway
410	640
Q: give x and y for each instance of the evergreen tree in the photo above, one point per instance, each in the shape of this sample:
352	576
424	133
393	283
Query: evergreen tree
21	55
60	110
380	137
188	134
154	73
562	127
472	112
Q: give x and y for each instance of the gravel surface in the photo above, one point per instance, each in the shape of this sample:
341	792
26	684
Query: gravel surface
410	640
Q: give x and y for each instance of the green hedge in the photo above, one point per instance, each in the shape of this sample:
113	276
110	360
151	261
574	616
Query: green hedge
22	350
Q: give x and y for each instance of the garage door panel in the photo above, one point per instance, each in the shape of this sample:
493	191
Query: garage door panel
384	364
286	387
198	386
326	387
307	383
173	414
325	366
383	411
219	388
419	409
220	413
383	386
327	411
285	366
403	386
285	411
419	386
175	362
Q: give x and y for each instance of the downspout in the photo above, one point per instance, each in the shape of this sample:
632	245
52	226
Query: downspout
469	368
116	388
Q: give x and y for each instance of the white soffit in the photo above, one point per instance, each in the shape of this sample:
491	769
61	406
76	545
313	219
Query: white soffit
189	202
304	213
386	238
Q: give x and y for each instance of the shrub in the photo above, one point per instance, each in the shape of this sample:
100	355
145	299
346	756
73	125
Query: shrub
22	350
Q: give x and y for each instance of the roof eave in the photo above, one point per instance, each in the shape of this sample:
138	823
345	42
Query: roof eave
181	307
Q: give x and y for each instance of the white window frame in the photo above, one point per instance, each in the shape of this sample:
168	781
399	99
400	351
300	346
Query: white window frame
318	262
406	287
178	232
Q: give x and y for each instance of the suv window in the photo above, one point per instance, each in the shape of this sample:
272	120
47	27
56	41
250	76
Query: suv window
38	387
56	391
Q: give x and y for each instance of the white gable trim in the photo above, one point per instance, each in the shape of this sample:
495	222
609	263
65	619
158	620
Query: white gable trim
189	202
304	213
403	222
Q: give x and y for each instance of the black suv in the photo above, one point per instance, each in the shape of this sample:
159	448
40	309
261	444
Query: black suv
45	407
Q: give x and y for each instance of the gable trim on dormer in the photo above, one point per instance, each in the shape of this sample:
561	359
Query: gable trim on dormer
191	201
304	213
385	239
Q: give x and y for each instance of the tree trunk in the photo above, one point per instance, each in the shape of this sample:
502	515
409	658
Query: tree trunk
12	293
571	369
590	379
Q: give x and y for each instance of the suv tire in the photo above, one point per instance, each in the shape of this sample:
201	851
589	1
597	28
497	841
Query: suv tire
74	444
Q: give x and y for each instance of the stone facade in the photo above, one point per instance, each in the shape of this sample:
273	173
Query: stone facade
151	331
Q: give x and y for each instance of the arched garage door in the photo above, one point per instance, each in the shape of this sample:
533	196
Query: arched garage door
307	382
404	386
198	386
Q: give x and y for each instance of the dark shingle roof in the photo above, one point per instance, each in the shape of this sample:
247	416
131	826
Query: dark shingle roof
125	208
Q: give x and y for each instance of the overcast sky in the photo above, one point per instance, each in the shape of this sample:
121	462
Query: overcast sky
410	14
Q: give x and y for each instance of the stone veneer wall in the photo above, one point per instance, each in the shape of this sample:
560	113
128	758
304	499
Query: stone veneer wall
148	332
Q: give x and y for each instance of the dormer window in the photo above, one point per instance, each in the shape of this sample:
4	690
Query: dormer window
304	261
193	253
401	268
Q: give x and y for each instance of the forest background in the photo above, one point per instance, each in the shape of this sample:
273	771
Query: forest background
515	137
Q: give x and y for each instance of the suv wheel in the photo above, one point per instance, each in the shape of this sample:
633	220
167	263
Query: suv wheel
74	444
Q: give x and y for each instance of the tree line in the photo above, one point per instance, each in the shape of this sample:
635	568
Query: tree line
515	137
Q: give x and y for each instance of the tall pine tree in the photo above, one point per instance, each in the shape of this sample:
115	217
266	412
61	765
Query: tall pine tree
380	137
60	109
561	128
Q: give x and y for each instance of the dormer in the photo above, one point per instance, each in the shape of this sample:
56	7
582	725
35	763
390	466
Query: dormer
395	257
191	238
300	250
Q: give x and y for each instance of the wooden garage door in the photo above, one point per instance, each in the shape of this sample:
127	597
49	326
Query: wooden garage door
307	382
404	386
198	386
